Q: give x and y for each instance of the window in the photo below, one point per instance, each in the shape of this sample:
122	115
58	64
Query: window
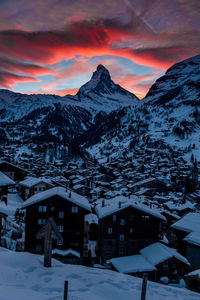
122	222
74	209
61	214
38	248
121	237
42	208
131	230
41	221
145	217
109	230
114	217
61	228
52	208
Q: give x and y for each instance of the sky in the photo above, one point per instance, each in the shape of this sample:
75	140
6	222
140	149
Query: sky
54	46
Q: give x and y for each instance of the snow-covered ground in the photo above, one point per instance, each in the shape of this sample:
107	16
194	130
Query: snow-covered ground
23	277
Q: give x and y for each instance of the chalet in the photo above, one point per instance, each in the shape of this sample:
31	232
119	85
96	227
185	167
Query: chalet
125	227
180	208
14	172
187	237
5	183
193	280
157	260
31	186
67	209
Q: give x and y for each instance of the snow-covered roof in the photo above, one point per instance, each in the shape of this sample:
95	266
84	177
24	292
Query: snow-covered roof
3	208
91	218
188	223
5	180
193	238
61	192
132	264
194	273
157	253
66	252
178	207
31	181
111	206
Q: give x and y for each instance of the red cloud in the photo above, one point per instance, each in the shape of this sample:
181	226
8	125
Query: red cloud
9	79
92	39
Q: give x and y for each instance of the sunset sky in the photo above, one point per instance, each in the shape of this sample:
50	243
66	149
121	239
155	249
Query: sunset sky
53	46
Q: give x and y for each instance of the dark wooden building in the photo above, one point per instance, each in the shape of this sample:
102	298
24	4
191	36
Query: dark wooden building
158	260
12	171
68	210
5	183
186	238
126	227
32	186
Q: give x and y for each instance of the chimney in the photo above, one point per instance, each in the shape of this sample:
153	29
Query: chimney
66	187
103	203
119	204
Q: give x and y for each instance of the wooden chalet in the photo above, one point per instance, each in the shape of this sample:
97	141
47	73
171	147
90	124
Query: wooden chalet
193	280
5	183
31	186
12	171
187	235
157	260
125	227
66	208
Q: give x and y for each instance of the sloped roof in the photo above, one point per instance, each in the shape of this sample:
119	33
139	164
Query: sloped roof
157	253
132	264
61	192
111	206
5	180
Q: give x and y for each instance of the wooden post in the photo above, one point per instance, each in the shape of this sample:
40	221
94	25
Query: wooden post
144	286
66	290
49	231
47	246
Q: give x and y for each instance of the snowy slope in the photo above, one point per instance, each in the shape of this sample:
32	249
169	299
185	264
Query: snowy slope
55	118
23	277
99	94
169	114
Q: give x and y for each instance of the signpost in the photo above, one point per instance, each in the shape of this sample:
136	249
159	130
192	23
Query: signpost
49	232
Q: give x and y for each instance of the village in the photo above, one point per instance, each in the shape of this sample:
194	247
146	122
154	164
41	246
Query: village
135	214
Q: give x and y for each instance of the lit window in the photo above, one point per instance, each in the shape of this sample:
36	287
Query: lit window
109	230
131	230
61	214
121	237
61	228
114	217
41	221
42	208
52	208
145	217
122	222
38	248
74	209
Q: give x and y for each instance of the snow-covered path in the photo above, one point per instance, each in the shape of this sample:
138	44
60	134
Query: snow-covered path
23	277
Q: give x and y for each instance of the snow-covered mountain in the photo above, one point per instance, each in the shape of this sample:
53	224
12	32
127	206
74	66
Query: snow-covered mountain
169	115
99	94
51	116
179	84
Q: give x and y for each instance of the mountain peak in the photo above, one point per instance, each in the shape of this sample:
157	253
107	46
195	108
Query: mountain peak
101	68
